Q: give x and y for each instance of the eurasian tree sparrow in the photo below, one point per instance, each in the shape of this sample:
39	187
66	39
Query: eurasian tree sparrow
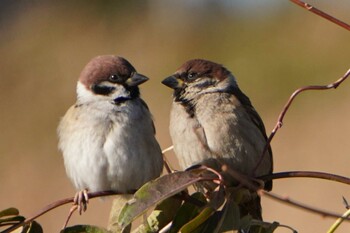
212	122
107	137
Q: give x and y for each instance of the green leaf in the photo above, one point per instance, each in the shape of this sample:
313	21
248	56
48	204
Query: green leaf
163	213
143	228
84	229
231	216
187	212
118	203
12	220
225	220
160	216
266	227
273	226
198	220
9	212
246	222
217	198
32	227
211	225
156	191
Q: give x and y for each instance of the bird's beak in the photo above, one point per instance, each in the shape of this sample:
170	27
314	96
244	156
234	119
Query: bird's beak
136	79
173	82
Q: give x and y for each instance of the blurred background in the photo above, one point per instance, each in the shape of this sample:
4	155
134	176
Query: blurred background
271	46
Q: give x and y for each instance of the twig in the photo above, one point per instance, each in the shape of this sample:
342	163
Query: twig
168	168
303	206
55	205
306	174
339	221
168	149
244	180
279	123
347	206
321	13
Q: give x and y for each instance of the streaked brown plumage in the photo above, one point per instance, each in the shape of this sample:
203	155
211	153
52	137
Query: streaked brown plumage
214	123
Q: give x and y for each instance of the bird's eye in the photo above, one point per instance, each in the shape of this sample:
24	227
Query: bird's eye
192	75
115	78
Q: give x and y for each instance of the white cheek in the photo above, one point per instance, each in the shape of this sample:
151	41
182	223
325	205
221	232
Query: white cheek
85	96
230	81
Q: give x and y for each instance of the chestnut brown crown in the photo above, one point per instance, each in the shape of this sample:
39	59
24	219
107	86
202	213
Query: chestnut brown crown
111	75
197	68
101	68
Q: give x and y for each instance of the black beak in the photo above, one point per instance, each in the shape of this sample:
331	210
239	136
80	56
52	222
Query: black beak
136	79
173	82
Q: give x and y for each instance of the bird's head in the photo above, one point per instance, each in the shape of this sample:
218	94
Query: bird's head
197	77
109	78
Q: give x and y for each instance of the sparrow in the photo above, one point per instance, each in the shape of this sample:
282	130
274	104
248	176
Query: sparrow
108	137
213	123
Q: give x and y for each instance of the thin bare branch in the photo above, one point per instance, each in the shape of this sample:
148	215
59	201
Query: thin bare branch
244	180
315	210
307	174
321	13
247	182
308	88
339	221
168	149
55	205
279	123
167	166
346	203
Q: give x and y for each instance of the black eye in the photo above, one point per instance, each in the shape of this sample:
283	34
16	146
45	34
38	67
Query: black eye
192	75
114	78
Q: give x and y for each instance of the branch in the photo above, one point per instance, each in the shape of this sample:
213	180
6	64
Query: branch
56	204
303	206
321	13
302	89
167	166
247	182
339	221
279	123
306	174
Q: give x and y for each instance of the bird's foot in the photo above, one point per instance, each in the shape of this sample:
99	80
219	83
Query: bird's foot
80	201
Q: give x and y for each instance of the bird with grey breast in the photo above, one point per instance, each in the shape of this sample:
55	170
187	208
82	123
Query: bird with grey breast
108	137
213	123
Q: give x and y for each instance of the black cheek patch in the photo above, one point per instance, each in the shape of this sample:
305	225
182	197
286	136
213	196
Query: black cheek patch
189	107
134	91
102	90
121	100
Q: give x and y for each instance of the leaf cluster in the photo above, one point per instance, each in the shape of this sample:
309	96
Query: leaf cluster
10	216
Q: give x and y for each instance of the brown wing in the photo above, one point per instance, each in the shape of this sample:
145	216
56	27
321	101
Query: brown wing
256	119
146	106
